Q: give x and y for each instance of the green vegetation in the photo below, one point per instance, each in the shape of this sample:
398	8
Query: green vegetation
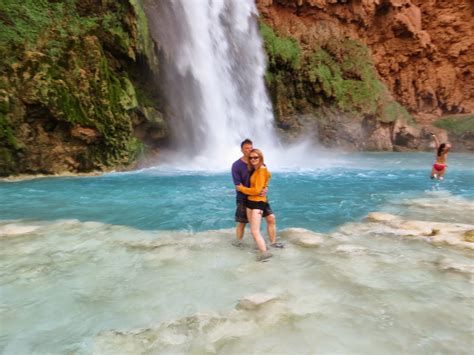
338	73
39	25
344	72
392	110
280	51
70	58
6	133
456	124
145	43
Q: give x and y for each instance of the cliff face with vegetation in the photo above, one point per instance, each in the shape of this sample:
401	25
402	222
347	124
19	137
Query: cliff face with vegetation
372	74
74	90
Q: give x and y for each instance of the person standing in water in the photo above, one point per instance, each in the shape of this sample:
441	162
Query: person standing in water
257	204
442	150
241	176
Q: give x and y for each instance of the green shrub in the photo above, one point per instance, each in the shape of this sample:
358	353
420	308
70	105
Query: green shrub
344	71
457	124
6	133
280	50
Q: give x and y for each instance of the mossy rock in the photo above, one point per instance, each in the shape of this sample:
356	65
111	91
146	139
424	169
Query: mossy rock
73	66
280	50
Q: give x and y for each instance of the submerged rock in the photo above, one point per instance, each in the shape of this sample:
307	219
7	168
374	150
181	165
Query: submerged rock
204	332
469	236
450	265
254	301
350	249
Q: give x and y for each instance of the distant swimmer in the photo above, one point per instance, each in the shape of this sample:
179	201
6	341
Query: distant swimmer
442	150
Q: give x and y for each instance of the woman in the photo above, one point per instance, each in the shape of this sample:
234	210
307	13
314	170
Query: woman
439	167
256	203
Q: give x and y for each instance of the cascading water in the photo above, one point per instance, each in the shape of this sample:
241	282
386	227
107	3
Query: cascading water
214	77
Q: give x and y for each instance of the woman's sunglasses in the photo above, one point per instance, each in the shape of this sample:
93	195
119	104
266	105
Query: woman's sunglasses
254	158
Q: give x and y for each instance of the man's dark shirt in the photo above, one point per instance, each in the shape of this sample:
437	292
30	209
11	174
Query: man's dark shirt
240	175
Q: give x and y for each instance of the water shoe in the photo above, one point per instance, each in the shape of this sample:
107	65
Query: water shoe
237	244
264	256
278	245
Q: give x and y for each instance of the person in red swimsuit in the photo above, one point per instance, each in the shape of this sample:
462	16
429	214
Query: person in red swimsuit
439	167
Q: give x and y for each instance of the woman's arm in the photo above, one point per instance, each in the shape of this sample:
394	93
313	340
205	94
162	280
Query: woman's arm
435	140
260	181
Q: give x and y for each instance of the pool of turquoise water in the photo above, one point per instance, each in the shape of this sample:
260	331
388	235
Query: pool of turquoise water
312	198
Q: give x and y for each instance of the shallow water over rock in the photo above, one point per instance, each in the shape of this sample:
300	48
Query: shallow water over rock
377	267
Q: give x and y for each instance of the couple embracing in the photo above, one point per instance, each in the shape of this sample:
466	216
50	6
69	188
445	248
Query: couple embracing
251	178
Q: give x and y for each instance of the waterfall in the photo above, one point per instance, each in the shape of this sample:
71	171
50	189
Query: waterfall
214	77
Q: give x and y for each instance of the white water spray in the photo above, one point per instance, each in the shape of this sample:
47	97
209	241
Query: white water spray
214	79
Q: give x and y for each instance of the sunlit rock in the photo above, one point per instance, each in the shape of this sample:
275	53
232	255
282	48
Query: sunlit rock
380	217
13	229
433	232
303	237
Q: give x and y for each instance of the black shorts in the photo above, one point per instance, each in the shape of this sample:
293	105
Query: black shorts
241	210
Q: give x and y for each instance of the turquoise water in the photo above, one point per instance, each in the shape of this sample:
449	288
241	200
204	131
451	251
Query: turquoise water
141	263
317	199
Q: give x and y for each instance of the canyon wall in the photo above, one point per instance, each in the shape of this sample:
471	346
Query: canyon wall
421	51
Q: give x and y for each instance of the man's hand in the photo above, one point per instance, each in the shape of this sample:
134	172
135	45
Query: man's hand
264	192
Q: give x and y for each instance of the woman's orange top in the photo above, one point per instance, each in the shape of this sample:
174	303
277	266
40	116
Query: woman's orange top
258	181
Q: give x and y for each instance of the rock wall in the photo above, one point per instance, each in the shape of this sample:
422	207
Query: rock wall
75	88
422	52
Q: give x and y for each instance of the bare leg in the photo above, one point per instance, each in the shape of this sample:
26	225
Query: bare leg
239	230
441	174
255	219
433	173
271	228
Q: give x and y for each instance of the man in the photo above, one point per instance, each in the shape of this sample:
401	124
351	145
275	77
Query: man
241	175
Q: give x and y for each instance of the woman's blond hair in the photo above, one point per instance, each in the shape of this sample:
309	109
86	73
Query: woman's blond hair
260	154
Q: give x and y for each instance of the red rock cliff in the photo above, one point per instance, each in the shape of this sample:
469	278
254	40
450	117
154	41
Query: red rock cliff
423	50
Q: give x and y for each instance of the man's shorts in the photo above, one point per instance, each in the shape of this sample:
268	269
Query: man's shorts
241	211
